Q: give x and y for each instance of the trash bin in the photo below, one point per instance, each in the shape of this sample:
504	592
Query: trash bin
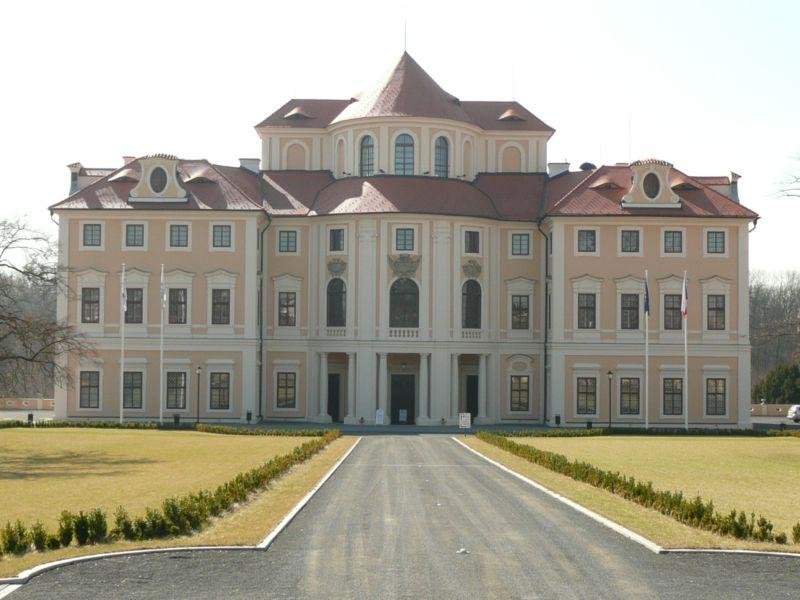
558	420
30	418
588	424
249	415
176	419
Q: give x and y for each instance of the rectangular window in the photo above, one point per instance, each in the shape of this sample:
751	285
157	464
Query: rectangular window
287	390
715	397
629	396
177	306
520	400
519	312
176	390
587	311
92	234
716	312
134	235
673	242
134	305
287	241
221	236
630	240
672	311
673	396
472	242
715	242
132	389
587	240
336	240
220	391
404	239
287	305
179	236
90	305
630	311
221	307
520	244
587	395
90	389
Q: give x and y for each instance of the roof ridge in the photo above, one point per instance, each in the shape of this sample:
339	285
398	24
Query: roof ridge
226	178
576	186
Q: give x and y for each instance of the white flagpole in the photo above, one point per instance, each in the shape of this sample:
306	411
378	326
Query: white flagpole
685	307
123	307
647	356
161	356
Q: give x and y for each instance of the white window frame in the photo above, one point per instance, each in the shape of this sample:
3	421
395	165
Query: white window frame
662	242
629	371
328	230
415	228
586	370
596	230
287	283
124	236
179	366
511	234
587	284
219	366
464	231
102	246
716	286
717	372
286	366
220	279
529	374
91	278
138	365
211	246
669	285
135	278
672	371
188	247
89	366
622	228
278	251
178	279
630	285
724	231
519	286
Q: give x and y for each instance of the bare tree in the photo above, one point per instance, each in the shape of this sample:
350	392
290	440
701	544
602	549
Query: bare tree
33	344
791	185
774	320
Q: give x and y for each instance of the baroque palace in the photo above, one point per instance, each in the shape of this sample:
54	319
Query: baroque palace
410	255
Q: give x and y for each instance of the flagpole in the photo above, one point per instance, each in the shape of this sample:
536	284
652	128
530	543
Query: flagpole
686	351
646	355
122	310
161	355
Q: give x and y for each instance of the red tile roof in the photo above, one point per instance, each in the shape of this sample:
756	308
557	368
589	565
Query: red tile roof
320	113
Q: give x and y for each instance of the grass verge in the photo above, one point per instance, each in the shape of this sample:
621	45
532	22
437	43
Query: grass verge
659	528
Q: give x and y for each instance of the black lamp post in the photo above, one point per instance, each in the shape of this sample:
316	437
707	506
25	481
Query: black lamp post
198	370
610	378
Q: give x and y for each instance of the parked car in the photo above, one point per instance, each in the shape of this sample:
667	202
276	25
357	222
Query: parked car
793	413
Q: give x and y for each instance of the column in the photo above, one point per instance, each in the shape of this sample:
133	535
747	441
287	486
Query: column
454	386
440	386
422	415
323	387
351	388
382	396
481	387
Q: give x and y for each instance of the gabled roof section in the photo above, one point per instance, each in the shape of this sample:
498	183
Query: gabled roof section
584	198
218	188
504	116
305	113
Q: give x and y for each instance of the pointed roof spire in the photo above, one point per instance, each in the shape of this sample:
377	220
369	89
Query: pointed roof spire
407	91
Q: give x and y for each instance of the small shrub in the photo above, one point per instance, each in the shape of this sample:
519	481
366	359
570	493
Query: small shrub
98	526
66	528
53	542
14	538
123	527
81	524
39	536
780	538
796	533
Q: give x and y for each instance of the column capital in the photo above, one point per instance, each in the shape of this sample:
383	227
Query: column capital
323	354
383	354
424	354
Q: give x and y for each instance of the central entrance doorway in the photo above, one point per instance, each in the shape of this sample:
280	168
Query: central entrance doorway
472	395
334	381
402	389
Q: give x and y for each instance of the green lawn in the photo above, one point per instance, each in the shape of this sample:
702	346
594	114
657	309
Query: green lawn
45	471
750	474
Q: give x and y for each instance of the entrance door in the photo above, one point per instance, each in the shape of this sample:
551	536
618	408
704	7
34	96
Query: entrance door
333	396
472	395
403	399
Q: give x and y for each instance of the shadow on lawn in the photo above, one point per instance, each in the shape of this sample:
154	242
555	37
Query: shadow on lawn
65	465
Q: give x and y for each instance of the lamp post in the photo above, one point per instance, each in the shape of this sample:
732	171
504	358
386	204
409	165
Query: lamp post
198	370
610	378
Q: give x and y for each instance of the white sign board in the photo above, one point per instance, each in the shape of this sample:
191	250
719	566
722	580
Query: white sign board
403	415
464	420
379	417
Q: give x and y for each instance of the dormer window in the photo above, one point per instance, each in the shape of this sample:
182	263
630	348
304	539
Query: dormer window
158	180
651	185
648	185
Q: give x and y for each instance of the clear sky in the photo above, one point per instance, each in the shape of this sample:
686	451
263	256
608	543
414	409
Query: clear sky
709	86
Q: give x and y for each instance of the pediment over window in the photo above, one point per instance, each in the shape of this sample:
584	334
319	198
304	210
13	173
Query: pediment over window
159	180
650	185
288	282
520	284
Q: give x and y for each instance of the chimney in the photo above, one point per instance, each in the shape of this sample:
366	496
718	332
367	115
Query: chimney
127	159
735	187
556	168
251	164
74	171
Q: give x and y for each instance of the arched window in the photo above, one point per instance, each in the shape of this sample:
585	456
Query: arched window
471	305
367	157
442	158
337	303
404	155
404	304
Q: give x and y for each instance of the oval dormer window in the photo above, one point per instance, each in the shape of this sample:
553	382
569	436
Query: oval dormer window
651	185
158	180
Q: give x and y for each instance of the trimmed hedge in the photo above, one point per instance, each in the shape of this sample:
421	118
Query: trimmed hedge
149	425
602	431
178	515
689	511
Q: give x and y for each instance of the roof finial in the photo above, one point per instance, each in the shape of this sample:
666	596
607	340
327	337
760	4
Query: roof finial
405	34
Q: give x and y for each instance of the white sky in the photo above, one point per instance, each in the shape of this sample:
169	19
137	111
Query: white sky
709	86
